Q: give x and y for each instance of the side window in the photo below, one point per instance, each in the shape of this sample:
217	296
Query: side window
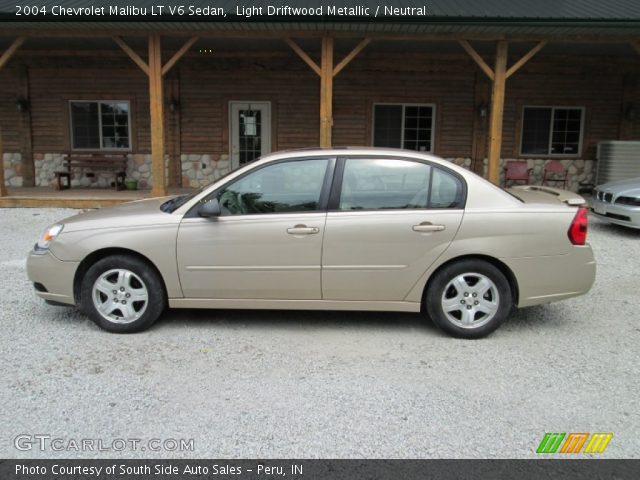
446	190
293	186
384	184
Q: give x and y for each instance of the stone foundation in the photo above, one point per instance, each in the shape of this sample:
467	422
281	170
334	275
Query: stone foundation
579	171
12	164
140	168
198	170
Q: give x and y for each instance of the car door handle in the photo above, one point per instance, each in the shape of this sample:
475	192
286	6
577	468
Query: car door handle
302	230
428	227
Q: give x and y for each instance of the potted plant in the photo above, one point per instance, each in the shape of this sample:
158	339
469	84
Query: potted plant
131	184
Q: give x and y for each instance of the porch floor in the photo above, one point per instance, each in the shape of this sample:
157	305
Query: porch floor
38	197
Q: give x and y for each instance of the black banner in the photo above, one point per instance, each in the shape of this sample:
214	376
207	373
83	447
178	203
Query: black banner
318	469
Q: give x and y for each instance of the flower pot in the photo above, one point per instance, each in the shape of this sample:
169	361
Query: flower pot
131	184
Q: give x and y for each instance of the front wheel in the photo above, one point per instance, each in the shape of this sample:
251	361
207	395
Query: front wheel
122	294
469	298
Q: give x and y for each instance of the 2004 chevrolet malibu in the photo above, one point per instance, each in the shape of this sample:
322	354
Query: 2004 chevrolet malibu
342	229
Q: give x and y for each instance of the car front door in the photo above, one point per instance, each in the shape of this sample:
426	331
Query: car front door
389	219
267	241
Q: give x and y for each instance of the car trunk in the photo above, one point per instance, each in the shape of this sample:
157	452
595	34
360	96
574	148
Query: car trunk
546	195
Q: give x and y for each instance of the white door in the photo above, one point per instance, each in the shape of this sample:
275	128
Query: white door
250	136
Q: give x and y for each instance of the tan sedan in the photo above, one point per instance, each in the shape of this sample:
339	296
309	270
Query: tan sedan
342	229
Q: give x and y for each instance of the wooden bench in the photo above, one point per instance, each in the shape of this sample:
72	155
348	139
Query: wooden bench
115	163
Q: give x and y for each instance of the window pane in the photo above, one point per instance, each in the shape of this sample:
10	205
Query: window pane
115	125
535	131
283	187
85	126
387	126
566	131
417	128
446	190
384	184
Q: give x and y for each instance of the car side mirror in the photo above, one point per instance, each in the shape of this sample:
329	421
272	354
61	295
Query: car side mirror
210	209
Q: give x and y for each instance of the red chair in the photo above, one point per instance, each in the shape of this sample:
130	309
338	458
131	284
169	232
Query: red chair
517	171
554	171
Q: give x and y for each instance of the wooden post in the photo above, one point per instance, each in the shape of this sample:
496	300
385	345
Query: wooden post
499	77
173	132
497	110
26	138
326	92
156	105
4	59
326	71
482	98
627	110
156	71
3	189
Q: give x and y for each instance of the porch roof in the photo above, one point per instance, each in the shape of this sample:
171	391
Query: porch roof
437	10
481	18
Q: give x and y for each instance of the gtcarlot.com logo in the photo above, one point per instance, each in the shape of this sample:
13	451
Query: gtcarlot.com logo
44	443
573	442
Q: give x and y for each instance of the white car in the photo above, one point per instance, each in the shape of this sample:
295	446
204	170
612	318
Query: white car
618	202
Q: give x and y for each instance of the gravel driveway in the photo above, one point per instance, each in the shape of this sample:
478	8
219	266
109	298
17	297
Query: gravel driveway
321	384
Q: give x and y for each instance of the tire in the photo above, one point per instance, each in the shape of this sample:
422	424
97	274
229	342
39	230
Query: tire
122	294
469	298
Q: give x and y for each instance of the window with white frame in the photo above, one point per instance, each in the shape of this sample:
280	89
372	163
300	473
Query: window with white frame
408	126
100	125
551	130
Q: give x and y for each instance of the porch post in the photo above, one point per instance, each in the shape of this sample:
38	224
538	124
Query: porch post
326	92
497	109
4	58
156	105
498	77
3	189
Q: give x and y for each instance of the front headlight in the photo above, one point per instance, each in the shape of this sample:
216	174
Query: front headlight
48	236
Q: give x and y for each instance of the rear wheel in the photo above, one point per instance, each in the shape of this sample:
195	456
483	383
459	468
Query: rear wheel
469	298
122	294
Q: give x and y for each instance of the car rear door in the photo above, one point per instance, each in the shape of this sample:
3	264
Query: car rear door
267	242
389	219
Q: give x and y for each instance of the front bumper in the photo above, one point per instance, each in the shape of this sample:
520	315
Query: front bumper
613	213
54	278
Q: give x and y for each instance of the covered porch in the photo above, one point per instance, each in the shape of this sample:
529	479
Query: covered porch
38	197
320	85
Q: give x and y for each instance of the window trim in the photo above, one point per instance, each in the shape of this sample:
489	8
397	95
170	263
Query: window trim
336	187
404	105
549	154
100	148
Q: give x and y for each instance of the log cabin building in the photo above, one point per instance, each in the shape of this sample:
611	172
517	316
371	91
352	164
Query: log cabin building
480	83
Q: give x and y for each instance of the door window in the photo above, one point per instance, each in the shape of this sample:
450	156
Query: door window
250	125
283	187
384	184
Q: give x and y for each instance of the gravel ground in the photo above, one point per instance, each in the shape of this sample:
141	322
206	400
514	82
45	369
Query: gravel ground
321	384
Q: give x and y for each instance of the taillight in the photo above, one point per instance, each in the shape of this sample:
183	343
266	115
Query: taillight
578	229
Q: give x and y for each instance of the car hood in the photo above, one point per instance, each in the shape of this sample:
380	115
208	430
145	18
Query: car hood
131	214
626	187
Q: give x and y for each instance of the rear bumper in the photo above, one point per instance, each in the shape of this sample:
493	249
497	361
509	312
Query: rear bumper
619	214
53	276
549	279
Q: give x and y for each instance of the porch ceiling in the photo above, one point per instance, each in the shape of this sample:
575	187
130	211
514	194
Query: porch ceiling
229	47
